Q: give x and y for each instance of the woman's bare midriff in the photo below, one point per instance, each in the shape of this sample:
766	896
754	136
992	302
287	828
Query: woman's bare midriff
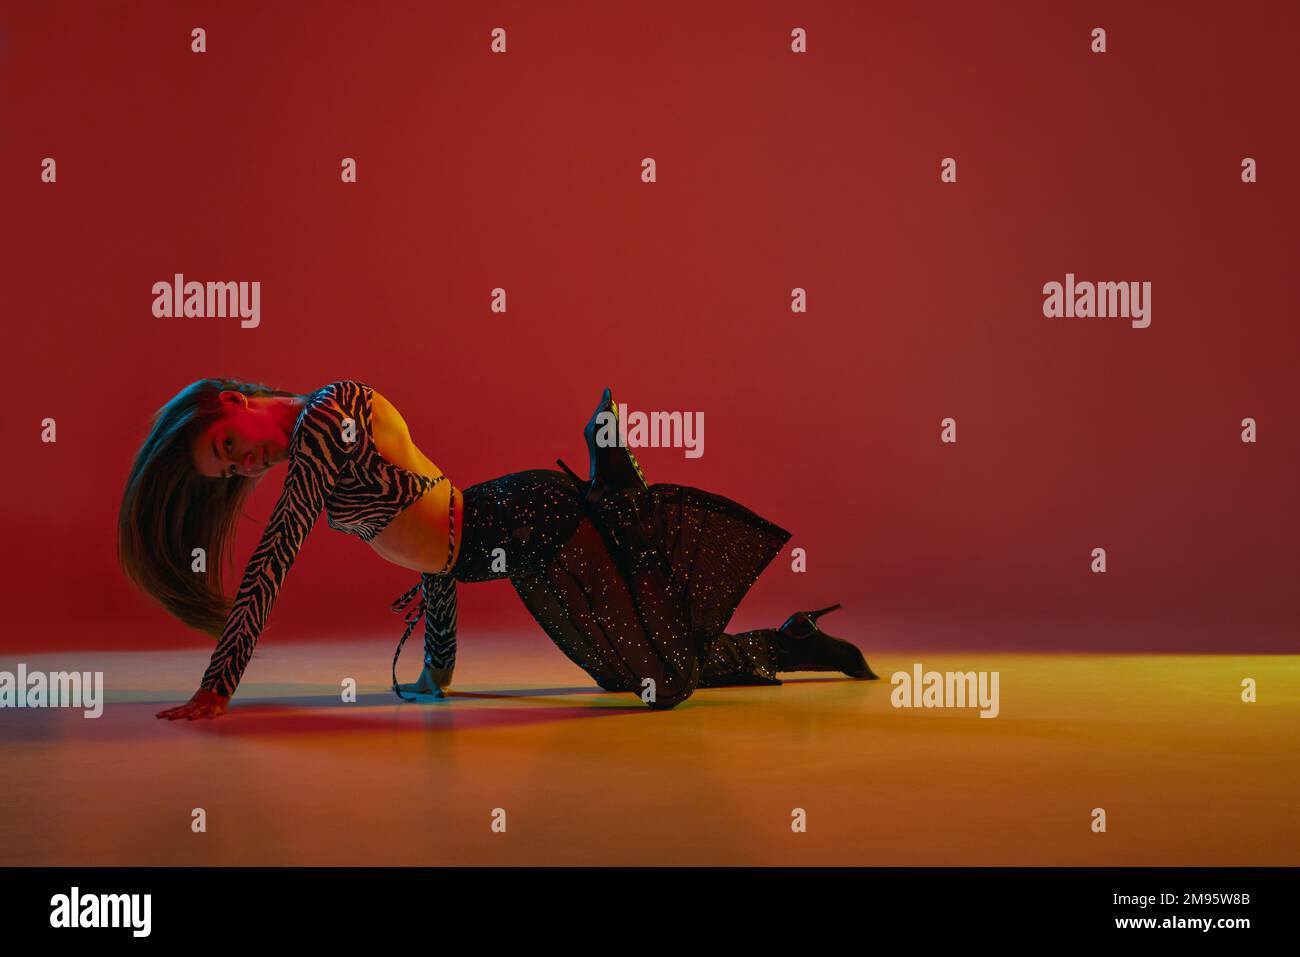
417	536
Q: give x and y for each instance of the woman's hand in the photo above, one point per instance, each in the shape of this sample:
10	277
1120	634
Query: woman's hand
432	682
204	704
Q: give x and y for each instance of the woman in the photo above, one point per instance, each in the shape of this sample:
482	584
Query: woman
634	583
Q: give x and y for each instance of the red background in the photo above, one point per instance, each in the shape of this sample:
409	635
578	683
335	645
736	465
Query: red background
775	170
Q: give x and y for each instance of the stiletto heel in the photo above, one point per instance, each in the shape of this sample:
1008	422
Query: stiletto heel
572	474
802	646
814	615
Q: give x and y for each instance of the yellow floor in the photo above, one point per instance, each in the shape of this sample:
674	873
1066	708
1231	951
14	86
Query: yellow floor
1187	772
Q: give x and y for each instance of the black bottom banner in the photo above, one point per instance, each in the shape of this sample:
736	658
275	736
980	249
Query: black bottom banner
220	905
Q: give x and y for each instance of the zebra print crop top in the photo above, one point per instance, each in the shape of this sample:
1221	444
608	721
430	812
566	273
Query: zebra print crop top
333	465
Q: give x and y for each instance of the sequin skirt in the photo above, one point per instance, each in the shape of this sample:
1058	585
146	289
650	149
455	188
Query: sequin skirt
715	549
620	629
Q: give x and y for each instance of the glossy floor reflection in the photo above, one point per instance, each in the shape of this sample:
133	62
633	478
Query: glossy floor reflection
1187	772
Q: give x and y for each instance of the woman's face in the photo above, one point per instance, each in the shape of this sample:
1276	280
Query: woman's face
247	440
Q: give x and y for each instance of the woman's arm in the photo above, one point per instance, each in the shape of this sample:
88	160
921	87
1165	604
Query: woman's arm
438	597
326	437
440	614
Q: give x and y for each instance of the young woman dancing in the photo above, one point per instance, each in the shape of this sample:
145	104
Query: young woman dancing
634	583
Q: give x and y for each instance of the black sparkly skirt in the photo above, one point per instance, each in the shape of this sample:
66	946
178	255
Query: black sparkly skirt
663	628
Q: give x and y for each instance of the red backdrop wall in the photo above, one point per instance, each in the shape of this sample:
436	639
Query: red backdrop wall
775	171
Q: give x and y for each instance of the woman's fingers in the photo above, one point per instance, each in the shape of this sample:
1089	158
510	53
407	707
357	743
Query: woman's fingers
190	712
204	704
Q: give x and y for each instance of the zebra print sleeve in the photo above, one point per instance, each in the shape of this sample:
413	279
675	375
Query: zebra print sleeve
440	612
322	448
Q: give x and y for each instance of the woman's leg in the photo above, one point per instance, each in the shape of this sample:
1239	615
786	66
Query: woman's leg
621	618
626	633
747	658
513	527
640	602
641	615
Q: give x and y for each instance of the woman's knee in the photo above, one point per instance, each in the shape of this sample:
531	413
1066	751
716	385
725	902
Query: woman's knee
668	691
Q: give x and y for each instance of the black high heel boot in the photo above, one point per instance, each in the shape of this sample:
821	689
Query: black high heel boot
613	466
802	646
614	492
